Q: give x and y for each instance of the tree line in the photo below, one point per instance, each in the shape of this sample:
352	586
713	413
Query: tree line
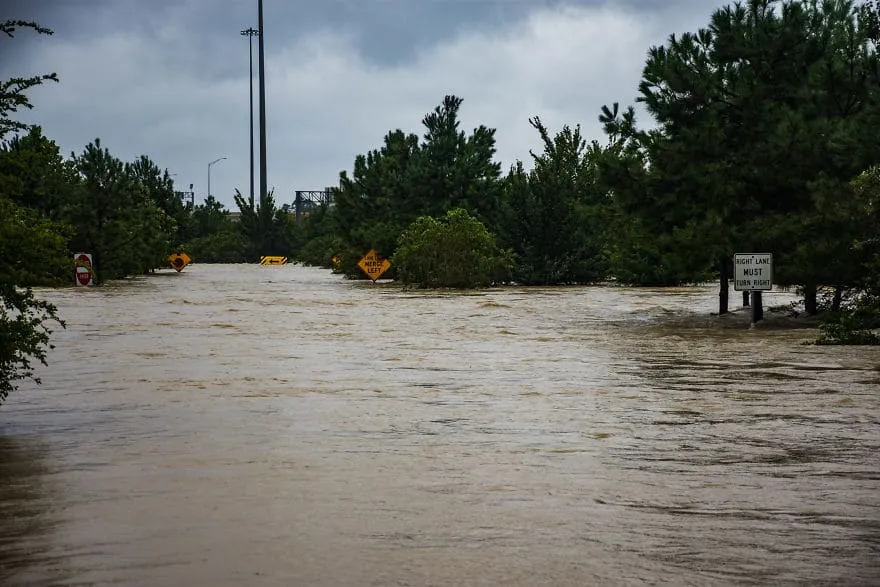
762	137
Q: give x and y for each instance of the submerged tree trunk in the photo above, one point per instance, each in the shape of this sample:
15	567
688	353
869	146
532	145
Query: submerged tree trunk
98	266
811	306
96	248
724	293
838	298
757	307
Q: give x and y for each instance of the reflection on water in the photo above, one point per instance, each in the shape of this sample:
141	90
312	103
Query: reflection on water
25	506
278	425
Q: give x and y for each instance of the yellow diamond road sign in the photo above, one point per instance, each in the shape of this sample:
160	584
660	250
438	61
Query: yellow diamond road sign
179	260
374	265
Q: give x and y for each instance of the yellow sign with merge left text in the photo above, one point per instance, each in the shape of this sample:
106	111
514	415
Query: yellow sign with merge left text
374	265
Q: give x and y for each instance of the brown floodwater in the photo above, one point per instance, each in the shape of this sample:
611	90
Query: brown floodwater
247	425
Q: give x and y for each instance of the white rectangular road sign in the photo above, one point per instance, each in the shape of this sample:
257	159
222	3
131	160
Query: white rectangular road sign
753	271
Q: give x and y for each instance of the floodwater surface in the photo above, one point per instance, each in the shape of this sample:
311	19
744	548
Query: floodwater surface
247	425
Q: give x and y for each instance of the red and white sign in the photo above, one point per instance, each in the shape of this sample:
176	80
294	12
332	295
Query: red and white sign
84	271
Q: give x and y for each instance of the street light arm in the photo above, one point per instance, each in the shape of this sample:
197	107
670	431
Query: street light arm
209	172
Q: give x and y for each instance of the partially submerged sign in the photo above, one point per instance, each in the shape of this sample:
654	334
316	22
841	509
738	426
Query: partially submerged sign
179	260
753	271
374	265
85	272
273	260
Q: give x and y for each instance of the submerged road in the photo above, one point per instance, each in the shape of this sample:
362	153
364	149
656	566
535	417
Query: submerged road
246	425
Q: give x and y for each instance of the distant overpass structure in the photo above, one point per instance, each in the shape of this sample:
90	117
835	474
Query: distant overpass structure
307	201
187	195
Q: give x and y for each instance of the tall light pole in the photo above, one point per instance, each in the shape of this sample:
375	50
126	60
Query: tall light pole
209	173
251	33
263	182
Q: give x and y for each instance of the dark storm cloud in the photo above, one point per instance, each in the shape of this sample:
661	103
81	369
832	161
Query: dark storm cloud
384	31
169	78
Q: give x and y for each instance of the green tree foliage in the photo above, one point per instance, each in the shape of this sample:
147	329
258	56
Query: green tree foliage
314	237
455	251
114	216
33	249
852	326
264	226
554	217
455	170
857	323
24	319
24	334
866	188
764	117
639	240
157	186
215	237
210	218
404	179
374	205
34	174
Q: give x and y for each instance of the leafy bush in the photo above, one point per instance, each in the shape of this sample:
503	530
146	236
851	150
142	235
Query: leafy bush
32	252
454	251
321	250
853	326
227	246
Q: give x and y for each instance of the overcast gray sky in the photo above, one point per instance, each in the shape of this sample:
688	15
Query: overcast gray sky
169	78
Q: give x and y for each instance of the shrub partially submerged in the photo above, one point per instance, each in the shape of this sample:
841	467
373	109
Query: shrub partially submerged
454	251
857	325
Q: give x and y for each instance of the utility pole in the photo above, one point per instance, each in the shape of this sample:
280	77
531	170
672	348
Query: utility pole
263	180
251	33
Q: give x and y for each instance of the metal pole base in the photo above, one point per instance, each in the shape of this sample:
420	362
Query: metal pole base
757	307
